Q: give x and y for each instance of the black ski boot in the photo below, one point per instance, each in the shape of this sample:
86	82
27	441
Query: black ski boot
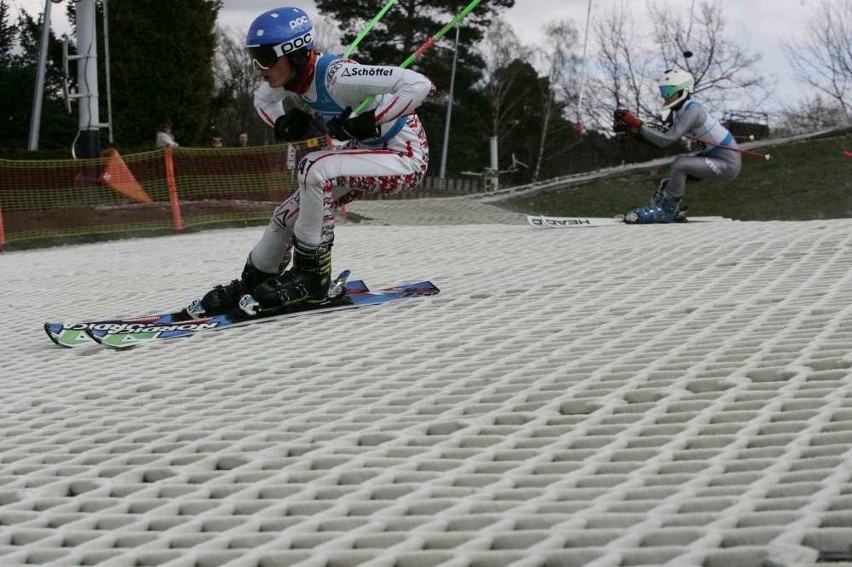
224	298
306	282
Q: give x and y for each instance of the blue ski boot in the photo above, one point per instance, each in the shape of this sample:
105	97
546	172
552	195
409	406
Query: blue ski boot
663	208
681	213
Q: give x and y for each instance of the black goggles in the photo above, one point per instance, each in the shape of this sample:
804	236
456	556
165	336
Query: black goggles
264	56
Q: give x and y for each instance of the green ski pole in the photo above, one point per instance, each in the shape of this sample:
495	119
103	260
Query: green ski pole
426	45
361	35
370	26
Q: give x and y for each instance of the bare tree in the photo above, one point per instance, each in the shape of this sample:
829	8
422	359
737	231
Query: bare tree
499	48
620	59
681	38
823	59
721	64
810	115
560	85
235	81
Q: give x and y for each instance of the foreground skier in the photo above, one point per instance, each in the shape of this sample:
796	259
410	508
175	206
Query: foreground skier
720	161
387	153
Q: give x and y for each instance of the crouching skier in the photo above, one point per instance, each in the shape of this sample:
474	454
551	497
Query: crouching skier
387	153
721	160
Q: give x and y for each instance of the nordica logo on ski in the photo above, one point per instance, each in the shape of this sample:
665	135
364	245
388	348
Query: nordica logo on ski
113	328
367	72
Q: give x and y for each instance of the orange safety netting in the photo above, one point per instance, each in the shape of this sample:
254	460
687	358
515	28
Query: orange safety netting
174	189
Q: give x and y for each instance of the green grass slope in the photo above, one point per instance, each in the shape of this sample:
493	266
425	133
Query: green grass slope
803	181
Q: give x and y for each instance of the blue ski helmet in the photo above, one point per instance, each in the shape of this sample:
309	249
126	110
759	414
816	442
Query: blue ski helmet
279	32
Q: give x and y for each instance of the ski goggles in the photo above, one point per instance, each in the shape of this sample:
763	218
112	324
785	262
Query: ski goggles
265	56
668	90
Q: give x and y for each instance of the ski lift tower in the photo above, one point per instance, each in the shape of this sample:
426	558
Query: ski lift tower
491	175
87	73
38	92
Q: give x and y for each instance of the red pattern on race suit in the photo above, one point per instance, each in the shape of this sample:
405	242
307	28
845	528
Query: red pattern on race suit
327	180
330	178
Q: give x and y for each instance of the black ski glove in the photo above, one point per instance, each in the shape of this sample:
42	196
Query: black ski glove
359	127
292	126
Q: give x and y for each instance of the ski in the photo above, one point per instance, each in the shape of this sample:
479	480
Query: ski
73	335
125	335
679	220
543	221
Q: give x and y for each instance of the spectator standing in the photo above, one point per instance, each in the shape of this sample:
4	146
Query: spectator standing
165	137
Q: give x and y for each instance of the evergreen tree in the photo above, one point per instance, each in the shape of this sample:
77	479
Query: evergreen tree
17	86
7	35
236	81
8	77
162	68
402	30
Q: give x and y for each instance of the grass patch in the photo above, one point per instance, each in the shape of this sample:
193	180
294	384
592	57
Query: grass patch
803	181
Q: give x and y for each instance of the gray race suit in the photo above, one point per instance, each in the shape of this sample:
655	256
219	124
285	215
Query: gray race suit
713	163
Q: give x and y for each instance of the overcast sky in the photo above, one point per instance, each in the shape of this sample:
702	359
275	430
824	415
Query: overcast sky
763	25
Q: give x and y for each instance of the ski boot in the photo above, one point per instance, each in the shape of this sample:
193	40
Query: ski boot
681	213
225	298
663	208
307	281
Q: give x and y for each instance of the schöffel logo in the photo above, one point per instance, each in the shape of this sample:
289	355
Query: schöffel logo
298	22
367	72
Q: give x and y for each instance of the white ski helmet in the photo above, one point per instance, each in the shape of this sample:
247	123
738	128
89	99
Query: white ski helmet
675	81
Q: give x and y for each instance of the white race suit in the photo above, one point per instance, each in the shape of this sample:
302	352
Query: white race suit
393	162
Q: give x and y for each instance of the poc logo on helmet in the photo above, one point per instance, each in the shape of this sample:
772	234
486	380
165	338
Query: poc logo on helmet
298	22
296	44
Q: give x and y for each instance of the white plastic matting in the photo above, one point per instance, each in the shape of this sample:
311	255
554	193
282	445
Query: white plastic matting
640	395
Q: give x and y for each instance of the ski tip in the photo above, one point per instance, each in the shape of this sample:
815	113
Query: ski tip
94	336
66	337
51	329
101	338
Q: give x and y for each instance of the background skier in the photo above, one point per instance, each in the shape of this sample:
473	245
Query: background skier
720	160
